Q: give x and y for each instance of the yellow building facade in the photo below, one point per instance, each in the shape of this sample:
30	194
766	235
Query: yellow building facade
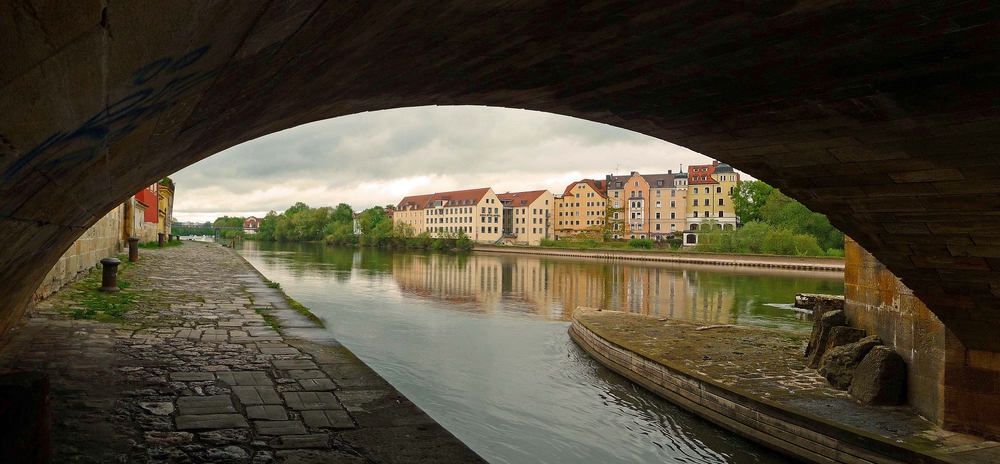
165	206
710	202
582	209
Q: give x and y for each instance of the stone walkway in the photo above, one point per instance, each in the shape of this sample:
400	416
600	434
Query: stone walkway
195	373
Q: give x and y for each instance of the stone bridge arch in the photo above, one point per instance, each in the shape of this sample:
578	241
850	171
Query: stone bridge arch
883	115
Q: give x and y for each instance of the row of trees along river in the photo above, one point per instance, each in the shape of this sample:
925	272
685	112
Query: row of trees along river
771	223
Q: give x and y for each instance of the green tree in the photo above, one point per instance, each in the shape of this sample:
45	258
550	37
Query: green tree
342	214
749	198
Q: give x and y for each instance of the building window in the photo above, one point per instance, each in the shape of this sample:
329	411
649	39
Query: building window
657	215
696	190
636	183
657	227
720	202
616	194
695	213
708	213
673	227
616	203
673	215
657	204
720	213
673	204
695	202
673	193
718	190
657	193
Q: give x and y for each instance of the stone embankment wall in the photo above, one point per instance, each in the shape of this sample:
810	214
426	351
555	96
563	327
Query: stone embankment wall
951	385
804	436
101	241
778	262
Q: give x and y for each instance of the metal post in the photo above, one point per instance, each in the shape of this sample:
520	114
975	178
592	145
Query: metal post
162	240
133	249
109	277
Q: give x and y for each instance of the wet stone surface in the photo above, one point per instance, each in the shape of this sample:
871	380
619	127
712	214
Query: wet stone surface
196	374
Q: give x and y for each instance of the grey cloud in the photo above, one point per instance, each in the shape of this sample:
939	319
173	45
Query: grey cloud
488	143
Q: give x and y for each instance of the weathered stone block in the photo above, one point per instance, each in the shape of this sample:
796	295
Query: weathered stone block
839	363
880	378
820	335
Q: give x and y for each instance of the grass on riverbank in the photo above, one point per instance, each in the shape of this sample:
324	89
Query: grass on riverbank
298	307
86	301
157	244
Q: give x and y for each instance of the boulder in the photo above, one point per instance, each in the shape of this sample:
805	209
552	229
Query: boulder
843	335
880	378
839	362
821	334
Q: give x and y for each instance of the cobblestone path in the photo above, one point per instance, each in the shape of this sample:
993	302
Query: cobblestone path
196	374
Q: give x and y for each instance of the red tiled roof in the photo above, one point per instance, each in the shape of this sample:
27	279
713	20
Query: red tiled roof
699	171
521	198
599	186
417	201
453	198
457	197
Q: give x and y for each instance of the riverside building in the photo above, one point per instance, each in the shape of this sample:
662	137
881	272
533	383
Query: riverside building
527	216
646	206
710	202
475	212
582	208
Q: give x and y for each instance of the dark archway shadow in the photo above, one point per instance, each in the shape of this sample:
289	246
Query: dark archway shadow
882	116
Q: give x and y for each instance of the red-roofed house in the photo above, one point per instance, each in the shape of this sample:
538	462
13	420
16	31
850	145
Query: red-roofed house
527	216
476	212
250	225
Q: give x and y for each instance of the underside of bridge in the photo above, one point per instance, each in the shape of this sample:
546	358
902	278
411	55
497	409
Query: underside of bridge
882	115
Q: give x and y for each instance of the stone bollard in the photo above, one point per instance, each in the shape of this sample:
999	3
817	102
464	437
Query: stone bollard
133	249
161	237
109	278
25	417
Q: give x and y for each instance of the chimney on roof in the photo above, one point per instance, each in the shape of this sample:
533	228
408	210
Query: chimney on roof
608	180
635	172
715	162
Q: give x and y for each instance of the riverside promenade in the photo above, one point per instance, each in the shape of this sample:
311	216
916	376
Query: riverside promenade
754	382
797	263
195	372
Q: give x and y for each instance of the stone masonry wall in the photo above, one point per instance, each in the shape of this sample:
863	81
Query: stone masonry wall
949	384
101	241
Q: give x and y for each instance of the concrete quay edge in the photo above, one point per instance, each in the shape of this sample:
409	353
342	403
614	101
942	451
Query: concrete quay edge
793	432
827	264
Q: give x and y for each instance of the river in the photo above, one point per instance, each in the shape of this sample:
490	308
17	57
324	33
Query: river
479	341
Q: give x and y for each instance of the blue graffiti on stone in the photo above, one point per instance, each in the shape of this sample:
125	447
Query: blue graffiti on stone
64	150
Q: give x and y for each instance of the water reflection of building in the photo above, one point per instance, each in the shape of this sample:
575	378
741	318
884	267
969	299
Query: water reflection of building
553	288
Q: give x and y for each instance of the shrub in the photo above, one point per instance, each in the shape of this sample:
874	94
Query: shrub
644	243
462	243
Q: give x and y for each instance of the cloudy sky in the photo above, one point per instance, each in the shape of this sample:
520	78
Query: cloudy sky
377	158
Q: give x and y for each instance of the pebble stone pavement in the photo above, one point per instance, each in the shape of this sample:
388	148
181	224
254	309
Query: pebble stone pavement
199	376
